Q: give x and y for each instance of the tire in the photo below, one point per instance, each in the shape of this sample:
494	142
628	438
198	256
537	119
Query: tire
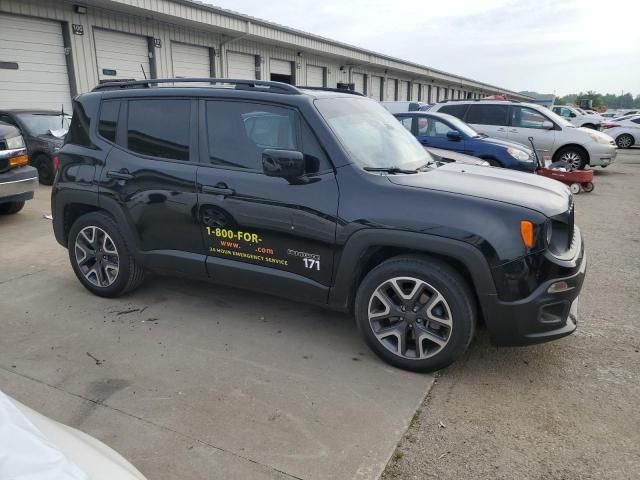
113	271
44	165
425	278
575	156
625	141
588	187
10	208
575	188
493	162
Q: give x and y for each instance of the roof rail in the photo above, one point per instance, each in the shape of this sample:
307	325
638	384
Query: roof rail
479	100
273	87
329	89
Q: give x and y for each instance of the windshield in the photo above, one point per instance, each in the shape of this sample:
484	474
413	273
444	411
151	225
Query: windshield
581	111
41	123
371	135
462	127
554	116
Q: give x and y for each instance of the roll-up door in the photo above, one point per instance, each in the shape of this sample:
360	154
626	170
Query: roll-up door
315	76
121	55
376	88
190	61
415	92
241	66
358	80
33	67
403	93
280	71
390	89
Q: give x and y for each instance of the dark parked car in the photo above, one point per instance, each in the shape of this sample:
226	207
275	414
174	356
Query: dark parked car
319	196
17	179
441	130
43	132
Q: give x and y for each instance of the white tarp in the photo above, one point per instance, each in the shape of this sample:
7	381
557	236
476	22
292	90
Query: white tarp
26	454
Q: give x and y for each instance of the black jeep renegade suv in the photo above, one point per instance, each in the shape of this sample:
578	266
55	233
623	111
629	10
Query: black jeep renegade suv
319	196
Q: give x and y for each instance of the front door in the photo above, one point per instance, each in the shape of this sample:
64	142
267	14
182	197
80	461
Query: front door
527	122
433	133
265	233
150	175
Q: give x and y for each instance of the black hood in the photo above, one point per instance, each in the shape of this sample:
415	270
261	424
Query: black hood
544	195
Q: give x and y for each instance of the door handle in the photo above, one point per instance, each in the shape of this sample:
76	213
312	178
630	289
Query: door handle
218	189
513	130
501	130
120	175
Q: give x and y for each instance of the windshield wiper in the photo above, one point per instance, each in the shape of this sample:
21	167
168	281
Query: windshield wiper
391	170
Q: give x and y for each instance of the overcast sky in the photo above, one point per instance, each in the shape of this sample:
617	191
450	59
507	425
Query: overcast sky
550	46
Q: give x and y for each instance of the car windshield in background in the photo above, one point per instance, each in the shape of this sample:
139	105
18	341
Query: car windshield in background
558	119
371	135
44	123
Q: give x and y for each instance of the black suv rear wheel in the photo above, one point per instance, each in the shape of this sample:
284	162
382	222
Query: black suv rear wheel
416	313
100	257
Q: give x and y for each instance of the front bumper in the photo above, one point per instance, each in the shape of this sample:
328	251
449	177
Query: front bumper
603	156
18	184
540	317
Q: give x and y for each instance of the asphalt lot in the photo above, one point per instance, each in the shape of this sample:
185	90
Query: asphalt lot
189	380
565	410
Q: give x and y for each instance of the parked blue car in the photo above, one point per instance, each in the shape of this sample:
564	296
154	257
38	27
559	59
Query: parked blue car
440	130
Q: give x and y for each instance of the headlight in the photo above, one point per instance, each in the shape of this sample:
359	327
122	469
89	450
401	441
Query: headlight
519	154
15	142
600	138
548	232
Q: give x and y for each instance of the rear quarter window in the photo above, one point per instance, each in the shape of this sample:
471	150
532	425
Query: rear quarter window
78	133
455	110
488	115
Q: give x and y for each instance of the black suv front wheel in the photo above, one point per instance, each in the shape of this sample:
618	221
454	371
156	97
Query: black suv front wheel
100	257
416	313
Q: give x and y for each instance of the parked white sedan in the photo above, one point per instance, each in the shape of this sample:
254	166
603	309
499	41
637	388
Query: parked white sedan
625	130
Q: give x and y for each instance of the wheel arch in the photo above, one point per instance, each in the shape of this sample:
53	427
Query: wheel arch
365	250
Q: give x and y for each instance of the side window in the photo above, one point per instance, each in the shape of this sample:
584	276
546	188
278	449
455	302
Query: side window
78	133
406	122
524	117
109	119
159	128
455	110
238	132
636	120
488	115
440	129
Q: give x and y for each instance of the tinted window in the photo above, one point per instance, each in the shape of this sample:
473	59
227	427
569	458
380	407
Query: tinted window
109	119
406	122
488	114
79	129
239	132
455	110
159	128
636	120
524	117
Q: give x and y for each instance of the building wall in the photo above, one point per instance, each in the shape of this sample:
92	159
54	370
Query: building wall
184	22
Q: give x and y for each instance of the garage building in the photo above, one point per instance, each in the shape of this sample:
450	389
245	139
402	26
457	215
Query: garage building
52	51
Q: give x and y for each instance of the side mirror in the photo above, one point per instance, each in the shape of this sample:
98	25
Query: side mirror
547	125
283	163
454	135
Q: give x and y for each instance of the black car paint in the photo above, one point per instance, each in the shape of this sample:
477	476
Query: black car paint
346	217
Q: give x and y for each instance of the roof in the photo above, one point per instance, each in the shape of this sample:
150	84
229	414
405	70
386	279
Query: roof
266	23
33	111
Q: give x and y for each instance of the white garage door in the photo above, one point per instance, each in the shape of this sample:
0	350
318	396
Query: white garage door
279	67
315	76
33	67
404	91
376	83
121	55
190	61
358	81
415	93
390	89
241	66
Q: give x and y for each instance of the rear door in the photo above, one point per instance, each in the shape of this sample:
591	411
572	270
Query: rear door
527	122
490	119
150	175
264	232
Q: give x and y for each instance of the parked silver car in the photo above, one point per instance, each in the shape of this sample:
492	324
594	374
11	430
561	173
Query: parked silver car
554	137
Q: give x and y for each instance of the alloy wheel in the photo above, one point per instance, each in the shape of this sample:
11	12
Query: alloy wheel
410	318
573	158
624	141
97	256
